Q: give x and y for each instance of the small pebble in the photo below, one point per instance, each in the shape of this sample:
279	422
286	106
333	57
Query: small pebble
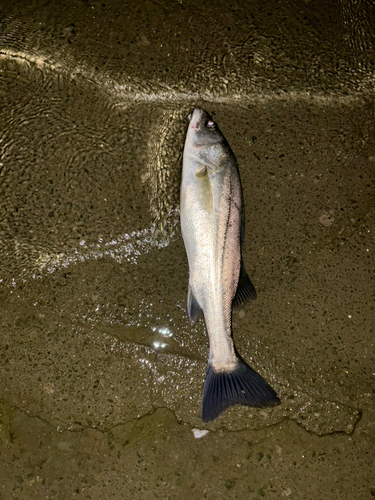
199	433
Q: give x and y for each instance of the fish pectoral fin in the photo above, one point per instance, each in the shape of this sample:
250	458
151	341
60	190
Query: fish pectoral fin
242	386
202	172
245	290
194	310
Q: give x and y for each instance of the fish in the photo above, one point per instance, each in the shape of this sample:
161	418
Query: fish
212	220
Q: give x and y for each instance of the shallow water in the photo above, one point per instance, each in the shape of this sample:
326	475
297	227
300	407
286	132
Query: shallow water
96	343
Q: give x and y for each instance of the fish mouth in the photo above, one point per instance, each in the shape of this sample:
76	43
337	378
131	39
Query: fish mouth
195	118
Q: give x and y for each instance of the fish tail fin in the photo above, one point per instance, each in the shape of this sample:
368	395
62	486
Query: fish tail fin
241	386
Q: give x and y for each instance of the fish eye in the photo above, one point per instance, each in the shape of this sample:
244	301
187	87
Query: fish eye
210	124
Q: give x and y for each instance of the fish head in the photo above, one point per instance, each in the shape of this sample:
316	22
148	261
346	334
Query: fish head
205	144
202	129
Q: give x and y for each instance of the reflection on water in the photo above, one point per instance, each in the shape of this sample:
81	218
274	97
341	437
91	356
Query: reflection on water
126	248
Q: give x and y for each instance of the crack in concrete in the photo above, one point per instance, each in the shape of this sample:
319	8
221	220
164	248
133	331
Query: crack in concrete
180	421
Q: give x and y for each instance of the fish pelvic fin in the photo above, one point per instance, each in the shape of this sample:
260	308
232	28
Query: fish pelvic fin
194	310
241	386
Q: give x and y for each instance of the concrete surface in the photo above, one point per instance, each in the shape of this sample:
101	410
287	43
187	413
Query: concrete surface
93	273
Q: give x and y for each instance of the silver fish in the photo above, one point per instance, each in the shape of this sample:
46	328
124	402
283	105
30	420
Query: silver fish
212	223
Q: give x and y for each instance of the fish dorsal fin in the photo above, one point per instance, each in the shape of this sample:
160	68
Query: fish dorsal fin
194	310
245	290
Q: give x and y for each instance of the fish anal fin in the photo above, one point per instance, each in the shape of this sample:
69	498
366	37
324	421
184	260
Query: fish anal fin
245	290
194	310
242	386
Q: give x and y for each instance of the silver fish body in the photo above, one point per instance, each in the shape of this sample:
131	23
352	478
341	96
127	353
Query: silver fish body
212	223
